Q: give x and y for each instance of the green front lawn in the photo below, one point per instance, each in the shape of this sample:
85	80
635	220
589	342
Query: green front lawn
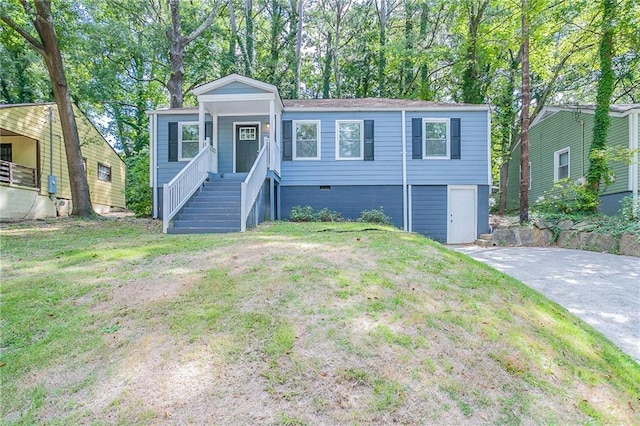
111	321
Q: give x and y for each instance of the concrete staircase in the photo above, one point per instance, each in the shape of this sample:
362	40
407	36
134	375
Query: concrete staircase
485	240
215	208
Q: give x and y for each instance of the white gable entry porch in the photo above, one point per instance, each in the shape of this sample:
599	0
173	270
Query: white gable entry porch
255	149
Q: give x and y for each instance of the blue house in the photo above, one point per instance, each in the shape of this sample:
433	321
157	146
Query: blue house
244	156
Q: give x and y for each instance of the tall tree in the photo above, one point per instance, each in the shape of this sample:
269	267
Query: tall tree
472	83
178	43
46	44
598	167
524	116
300	23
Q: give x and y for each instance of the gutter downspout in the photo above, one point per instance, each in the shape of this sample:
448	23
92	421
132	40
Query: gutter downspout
405	210
153	162
633	168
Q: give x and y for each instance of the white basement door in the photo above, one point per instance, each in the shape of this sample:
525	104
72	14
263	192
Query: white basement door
462	211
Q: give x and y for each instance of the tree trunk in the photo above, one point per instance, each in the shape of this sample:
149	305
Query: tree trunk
230	64
524	132
176	52
298	48
248	44
326	75
176	56
471	83
425	84
406	74
598	167
382	59
49	48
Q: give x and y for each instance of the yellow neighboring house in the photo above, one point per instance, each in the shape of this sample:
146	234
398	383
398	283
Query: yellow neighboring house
32	150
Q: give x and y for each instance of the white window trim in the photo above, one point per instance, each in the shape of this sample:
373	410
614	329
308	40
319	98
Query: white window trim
424	138
180	125
361	123
520	168
294	141
556	162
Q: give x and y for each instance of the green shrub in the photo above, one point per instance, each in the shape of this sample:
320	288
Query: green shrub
302	214
626	209
567	196
375	216
326	215
137	190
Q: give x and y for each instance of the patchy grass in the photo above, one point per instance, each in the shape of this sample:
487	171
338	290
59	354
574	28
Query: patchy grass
110	321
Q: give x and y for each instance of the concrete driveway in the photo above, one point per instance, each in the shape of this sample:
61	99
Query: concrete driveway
602	289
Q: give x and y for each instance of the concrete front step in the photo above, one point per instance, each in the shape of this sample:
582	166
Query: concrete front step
484	243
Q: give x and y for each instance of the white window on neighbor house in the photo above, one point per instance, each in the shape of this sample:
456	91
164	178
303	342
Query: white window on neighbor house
306	140
349	140
188	146
561	164
436	138
529	175
104	172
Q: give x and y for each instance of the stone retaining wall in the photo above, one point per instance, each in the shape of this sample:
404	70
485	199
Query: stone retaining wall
566	234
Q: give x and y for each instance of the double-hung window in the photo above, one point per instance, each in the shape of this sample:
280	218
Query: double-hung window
349	140
306	140
436	138
188	140
104	172
561	164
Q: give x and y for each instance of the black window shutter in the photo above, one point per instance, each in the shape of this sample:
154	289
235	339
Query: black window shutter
416	137
208	132
455	138
368	140
173	141
287	136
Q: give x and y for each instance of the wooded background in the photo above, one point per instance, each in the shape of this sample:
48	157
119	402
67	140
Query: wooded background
125	57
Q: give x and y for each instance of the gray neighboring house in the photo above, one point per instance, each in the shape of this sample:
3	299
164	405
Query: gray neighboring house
244	155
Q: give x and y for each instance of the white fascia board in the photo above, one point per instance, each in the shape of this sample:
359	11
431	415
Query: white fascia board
393	109
233	78
175	111
238	97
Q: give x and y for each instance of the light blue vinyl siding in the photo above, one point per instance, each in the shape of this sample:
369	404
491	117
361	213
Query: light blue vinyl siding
386	169
483	209
225	138
235	88
473	166
167	170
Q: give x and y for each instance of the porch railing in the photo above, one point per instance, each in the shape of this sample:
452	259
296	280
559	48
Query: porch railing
251	186
16	174
274	154
177	192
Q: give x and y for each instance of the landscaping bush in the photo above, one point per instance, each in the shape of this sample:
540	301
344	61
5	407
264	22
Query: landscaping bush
567	196
626	209
326	215
302	214
375	216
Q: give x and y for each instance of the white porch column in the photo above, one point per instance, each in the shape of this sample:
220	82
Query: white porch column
201	132
214	143
272	129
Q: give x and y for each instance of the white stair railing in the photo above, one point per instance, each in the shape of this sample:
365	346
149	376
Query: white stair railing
177	192
274	156
250	188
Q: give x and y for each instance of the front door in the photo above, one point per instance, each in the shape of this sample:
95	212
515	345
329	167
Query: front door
247	146
462	214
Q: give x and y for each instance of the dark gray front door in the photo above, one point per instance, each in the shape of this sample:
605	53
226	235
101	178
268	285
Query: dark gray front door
246	147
